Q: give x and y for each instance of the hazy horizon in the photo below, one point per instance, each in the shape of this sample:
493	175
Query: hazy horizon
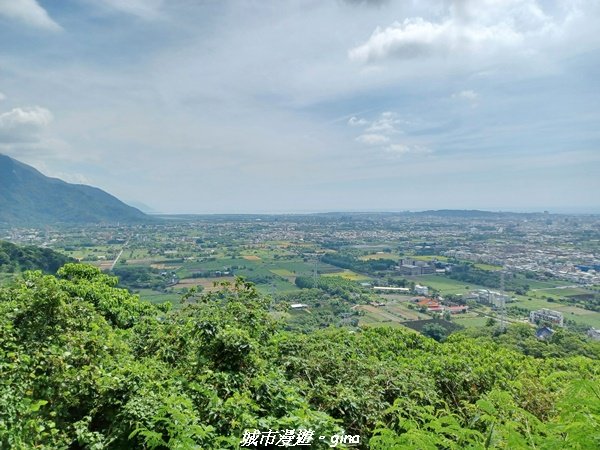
303	106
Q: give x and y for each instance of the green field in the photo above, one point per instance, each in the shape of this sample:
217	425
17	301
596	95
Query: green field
428	258
487	267
471	321
375	256
283	272
445	285
560	292
159	297
348	275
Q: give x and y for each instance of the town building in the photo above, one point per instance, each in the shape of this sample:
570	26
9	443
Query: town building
415	267
389	289
421	290
546	315
490	298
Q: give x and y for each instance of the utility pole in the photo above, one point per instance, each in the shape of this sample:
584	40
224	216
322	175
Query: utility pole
502	302
315	271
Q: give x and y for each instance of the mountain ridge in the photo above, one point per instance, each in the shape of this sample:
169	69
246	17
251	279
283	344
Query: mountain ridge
29	197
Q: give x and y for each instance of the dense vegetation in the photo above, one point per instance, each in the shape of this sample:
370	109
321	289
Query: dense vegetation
140	277
84	364
14	258
346	261
468	273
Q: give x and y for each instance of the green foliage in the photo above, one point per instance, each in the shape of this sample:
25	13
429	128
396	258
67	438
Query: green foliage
84	364
14	258
435	331
468	273
346	261
140	277
521	338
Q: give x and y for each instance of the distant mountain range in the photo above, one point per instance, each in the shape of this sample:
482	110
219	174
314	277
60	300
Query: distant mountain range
27	197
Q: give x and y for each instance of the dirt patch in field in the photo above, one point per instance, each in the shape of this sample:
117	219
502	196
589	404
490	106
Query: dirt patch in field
251	257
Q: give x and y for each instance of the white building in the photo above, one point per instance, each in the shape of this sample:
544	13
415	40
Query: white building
491	298
391	289
546	315
421	290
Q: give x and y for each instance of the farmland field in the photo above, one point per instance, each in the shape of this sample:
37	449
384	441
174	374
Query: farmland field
375	256
348	275
445	285
487	266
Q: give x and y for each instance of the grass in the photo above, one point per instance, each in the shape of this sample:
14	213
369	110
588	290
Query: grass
488	267
159	297
537	284
379	256
428	257
283	272
470	322
445	285
559	292
348	275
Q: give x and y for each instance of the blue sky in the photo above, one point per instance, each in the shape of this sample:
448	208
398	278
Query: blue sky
308	105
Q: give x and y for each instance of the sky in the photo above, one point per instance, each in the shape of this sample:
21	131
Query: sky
270	106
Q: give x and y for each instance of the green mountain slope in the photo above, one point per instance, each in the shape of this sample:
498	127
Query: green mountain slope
28	197
14	258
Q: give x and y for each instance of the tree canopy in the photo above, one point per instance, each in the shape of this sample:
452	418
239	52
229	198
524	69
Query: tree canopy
86	365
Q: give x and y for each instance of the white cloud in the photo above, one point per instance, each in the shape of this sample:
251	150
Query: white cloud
2	96
29	12
372	139
23	124
146	9
466	95
469	96
356	122
75	178
402	149
386	123
383	132
366	2
469	26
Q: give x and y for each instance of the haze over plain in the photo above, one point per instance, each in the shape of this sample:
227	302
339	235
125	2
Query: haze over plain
228	106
